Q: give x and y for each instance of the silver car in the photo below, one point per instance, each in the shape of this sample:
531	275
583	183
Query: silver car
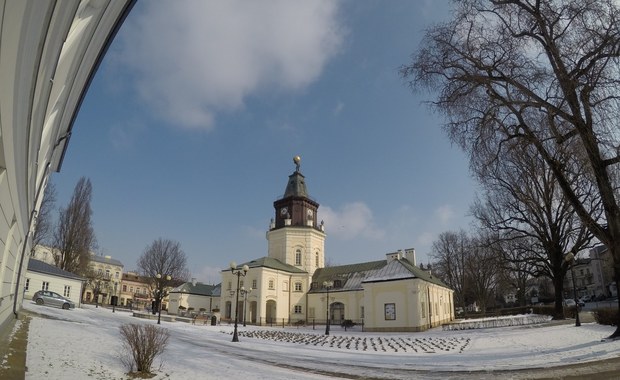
44	297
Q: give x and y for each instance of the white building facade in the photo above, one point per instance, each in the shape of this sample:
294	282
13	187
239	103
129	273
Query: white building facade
49	51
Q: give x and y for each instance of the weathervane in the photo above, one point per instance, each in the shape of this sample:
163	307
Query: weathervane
297	160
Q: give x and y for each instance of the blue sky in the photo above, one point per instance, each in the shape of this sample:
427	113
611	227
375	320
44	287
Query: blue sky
189	129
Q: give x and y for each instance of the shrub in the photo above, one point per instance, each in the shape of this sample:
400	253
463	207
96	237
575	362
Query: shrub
347	323
606	316
142	344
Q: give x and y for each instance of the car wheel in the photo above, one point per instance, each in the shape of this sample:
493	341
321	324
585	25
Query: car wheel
39	301
65	306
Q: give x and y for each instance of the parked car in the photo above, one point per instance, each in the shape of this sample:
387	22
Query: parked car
44	297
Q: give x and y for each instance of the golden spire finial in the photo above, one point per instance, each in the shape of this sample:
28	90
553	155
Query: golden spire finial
296	160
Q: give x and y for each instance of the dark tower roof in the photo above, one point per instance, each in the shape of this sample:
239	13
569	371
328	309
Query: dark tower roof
296	186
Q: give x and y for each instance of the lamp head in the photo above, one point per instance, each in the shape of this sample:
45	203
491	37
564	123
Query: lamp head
158	276
233	265
246	268
569	257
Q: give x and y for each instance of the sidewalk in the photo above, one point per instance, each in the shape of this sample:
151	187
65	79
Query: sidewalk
13	346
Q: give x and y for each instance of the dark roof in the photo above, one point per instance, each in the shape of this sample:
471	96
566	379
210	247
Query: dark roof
296	186
197	288
106	260
269	262
352	276
43	267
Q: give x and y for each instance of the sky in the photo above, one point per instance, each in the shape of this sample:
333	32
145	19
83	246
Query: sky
206	352
189	129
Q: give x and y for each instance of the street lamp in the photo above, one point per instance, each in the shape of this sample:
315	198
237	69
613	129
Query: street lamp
570	260
160	292
238	272
245	293
327	285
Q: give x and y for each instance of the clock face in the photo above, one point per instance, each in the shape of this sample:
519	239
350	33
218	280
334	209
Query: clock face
283	211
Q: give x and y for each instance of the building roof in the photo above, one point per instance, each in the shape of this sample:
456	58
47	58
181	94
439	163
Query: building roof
269	262
105	260
352	276
296	186
43	267
197	288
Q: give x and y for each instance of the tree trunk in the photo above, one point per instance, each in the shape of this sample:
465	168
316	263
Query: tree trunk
559	300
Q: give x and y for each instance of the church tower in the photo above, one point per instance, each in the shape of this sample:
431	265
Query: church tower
294	236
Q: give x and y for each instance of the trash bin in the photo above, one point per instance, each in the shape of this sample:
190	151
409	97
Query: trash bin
213	320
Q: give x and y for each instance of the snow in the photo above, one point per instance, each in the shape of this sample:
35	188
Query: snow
85	343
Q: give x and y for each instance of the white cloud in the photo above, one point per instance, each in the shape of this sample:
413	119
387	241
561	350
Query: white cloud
444	213
194	58
353	221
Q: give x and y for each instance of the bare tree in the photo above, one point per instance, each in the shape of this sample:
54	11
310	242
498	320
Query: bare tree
74	237
481	271
43	229
543	73
449	255
523	204
165	263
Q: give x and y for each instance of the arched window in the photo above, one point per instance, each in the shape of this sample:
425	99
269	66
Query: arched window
298	257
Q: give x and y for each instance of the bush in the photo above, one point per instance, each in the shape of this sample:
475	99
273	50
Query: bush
606	316
347	323
142	344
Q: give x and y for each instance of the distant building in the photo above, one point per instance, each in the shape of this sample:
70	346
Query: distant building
43	276
135	292
288	285
601	269
193	298
105	283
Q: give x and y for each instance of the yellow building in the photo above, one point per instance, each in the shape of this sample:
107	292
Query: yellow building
291	285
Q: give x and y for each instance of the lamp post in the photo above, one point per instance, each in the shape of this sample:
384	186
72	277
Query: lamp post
160	292
570	259
245	293
327	285
238	272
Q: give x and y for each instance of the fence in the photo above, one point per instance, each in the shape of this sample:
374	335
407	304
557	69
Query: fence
297	322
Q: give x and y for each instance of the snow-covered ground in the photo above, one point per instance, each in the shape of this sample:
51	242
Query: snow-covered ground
85	343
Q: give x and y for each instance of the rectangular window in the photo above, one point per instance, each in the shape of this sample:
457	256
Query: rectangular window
241	284
131	289
229	285
270	284
298	287
297	309
311	312
124	288
362	312
67	292
27	285
423	309
116	274
253	284
45	285
390	311
285	286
